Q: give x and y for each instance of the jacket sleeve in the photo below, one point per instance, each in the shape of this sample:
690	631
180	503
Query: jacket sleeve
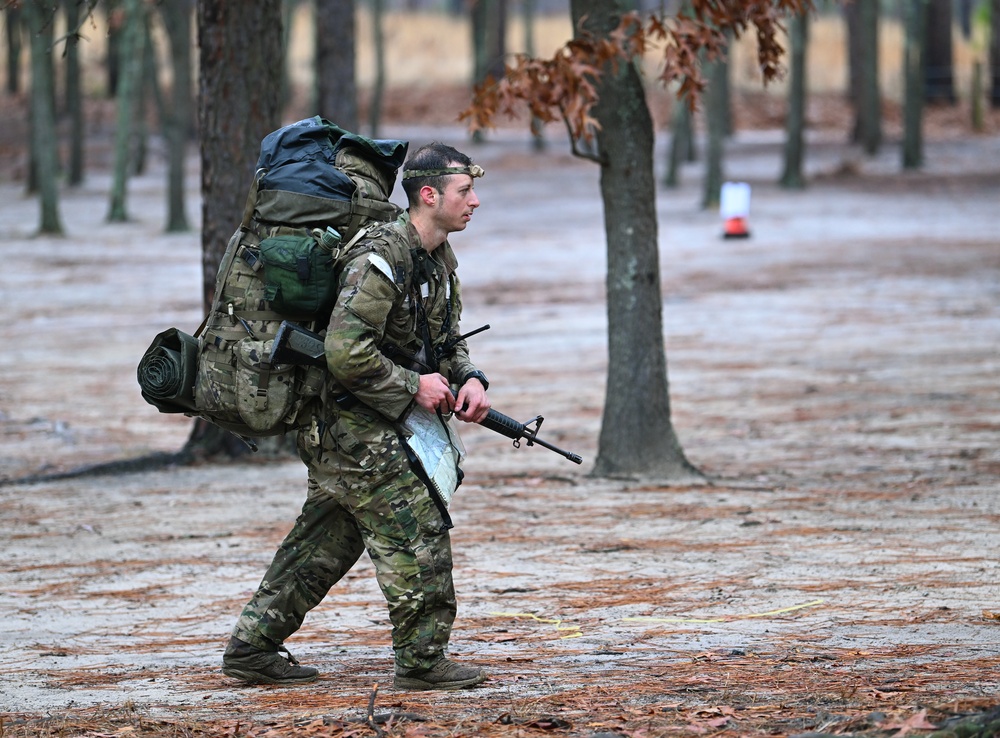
357	325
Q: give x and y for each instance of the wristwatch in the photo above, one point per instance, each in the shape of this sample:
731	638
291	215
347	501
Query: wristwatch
477	375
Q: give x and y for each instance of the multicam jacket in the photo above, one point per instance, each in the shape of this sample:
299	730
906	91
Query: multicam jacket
375	341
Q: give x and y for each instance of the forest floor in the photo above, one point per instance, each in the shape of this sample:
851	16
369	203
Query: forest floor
835	375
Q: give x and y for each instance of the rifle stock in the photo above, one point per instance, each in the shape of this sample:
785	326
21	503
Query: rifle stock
293	344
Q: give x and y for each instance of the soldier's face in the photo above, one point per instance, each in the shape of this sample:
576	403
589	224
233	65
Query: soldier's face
457	202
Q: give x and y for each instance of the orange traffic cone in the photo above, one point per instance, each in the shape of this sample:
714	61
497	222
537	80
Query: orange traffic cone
735	209
736	228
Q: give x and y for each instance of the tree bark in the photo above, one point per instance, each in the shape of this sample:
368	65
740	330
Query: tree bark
239	103
175	117
795	121
489	34
130	74
682	147
854	62
39	20
637	437
868	109
995	53
489	39
74	95
716	111
528	12
915	20
113	68
13	49
336	86
378	84
939	76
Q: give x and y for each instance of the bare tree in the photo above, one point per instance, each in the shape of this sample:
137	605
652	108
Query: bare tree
175	116
682	146
39	17
716	123
14	22
74	93
489	38
378	84
995	53
939	75
132	41
489	43
336	86
593	80
868	105
915	18
795	119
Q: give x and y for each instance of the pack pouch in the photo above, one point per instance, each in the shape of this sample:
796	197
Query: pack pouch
265	392
298	274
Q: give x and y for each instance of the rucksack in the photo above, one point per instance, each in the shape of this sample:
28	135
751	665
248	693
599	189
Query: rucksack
316	192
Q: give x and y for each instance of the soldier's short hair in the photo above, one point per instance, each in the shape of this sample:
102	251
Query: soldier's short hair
425	168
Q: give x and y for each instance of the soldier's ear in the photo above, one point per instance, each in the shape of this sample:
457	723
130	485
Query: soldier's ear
428	195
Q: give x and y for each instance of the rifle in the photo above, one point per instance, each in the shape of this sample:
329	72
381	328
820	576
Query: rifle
294	344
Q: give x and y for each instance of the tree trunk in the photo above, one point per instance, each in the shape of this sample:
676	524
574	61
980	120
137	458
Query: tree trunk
130	75
74	96
378	85
716	107
111	8
855	63
795	121
681	148
868	110
489	34
232	123
637	436
39	20
528	15
995	53
176	116
13	49
915	20
489	38
938	66
336	87
148	82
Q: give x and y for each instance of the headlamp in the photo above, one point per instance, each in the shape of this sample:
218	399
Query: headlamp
473	170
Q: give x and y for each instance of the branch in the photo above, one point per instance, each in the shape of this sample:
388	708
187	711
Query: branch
370	721
574	143
565	86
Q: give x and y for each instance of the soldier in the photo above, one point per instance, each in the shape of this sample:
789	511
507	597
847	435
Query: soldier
391	347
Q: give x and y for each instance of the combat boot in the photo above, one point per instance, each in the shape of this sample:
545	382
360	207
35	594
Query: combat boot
445	674
259	666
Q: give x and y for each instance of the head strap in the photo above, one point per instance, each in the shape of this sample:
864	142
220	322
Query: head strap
473	170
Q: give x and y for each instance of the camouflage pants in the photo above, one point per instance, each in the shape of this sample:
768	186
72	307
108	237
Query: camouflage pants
363	495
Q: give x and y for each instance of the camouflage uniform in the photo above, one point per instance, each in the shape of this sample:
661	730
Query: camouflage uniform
363	492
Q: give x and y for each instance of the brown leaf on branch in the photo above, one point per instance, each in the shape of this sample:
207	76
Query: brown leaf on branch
565	86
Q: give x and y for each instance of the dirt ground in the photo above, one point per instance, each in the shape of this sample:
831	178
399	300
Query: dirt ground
835	375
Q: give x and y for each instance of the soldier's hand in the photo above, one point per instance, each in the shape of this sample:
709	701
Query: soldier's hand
472	404
435	394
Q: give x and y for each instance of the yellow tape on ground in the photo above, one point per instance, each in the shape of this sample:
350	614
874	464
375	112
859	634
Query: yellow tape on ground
727	618
558	623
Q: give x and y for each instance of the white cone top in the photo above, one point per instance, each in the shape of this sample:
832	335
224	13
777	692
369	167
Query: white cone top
735	200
